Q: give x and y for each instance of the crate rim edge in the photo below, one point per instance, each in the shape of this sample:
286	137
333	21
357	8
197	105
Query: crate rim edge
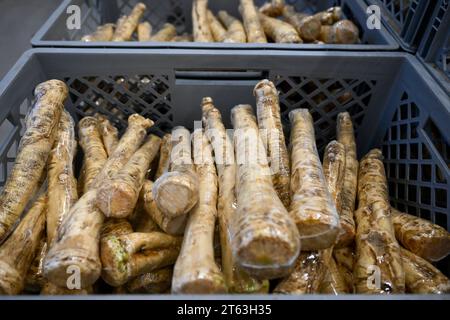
37	42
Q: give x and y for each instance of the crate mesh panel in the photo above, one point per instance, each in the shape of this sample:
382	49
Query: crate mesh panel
325	98
12	128
400	10
412	147
118	97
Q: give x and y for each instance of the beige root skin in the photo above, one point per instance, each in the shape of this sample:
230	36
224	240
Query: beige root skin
372	183
34	149
376	246
269	122
50	289
127	256
126	26
334	171
17	252
79	234
158	281
308	27
144	31
265	240
274	8
235	28
200	24
346	137
312	207
307	276
108	132
330	16
279	31
345	258
173	226
421	277
62	185
94	152
119	196
166	33
420	236
342	32
237	280
333	282
196	271
252	24
176	192
103	33
217	30
35	280
127	146
164	155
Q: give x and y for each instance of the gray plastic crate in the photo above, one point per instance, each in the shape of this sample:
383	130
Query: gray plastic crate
395	104
54	32
435	46
407	19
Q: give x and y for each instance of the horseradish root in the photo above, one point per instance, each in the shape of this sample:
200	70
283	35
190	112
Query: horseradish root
420	236
312	206
127	146
333	282
422	277
372	184
176	191
237	280
271	131
78	236
171	225
196	270
119	196
164	155
166	33
274	8
109	133
102	33
330	16
252	25
17	252
62	185
307	276
34	149
126	256
144	31
334	171
279	31
265	239
342	32
308	27
200	24
158	281
217	30
235	28
34	280
378	267
126	27
94	152
346	137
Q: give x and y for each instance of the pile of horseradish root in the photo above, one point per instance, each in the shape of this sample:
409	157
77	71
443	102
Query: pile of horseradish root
274	22
205	212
